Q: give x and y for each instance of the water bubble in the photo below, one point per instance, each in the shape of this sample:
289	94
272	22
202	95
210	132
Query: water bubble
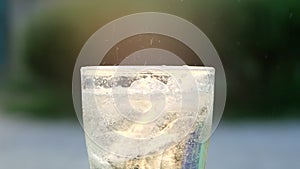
151	41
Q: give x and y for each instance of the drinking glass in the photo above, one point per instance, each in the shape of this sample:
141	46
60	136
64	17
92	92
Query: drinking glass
147	117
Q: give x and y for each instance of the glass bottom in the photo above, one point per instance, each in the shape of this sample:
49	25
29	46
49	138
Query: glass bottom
193	156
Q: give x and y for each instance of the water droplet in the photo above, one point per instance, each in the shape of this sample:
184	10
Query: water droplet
291	15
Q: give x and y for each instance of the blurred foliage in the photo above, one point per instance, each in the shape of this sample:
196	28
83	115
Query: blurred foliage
3	36
35	98
256	40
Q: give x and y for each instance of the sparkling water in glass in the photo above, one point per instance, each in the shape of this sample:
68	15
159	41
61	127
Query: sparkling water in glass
147	117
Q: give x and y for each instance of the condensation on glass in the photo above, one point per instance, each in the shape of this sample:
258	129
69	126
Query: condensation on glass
147	117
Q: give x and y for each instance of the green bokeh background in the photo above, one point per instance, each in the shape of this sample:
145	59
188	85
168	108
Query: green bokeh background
257	41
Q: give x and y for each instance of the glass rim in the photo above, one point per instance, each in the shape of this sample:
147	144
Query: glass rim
164	67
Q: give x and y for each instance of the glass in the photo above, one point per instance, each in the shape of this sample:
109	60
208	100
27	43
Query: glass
147	117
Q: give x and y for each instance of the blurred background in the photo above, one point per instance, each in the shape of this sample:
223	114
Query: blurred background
257	41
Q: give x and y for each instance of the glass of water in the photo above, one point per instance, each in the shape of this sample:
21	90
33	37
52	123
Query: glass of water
147	117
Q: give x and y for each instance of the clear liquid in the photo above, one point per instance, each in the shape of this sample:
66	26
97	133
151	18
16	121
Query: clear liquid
139	121
172	158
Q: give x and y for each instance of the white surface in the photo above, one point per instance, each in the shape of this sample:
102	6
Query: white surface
35	145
